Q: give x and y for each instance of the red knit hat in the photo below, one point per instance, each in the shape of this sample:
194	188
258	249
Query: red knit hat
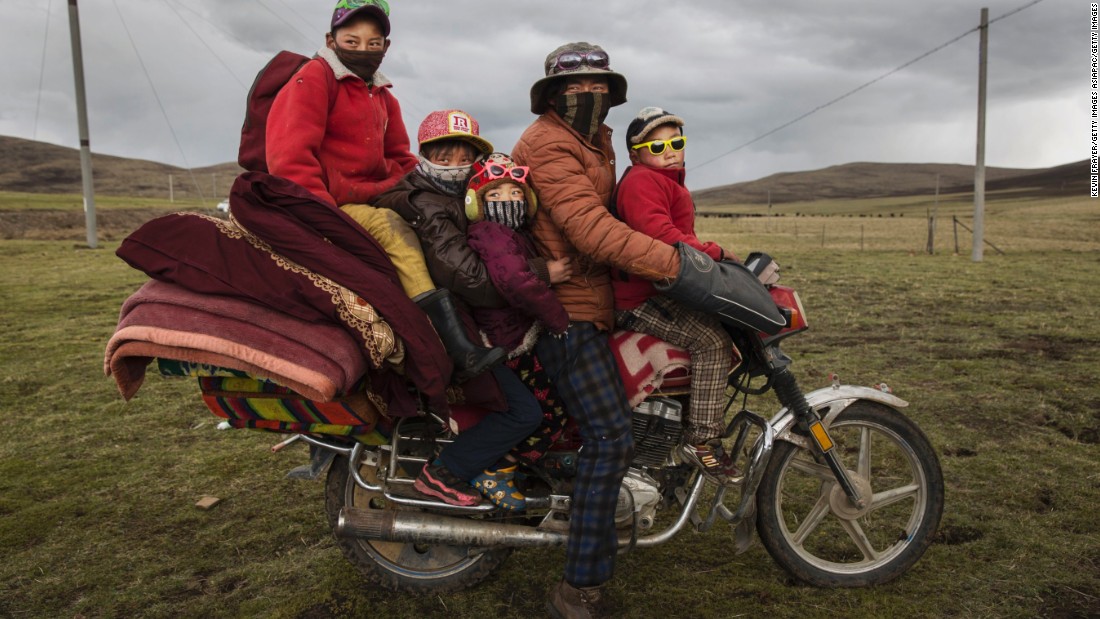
452	125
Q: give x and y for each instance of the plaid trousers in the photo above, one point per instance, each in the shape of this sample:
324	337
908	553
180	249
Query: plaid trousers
583	370
709	344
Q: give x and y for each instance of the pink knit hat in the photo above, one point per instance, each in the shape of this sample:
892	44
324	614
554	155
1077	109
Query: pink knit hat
452	125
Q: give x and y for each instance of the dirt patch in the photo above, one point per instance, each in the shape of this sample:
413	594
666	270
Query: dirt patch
1065	601
952	535
59	225
1055	348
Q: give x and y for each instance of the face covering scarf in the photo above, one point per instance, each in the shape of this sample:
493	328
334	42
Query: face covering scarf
511	213
584	111
363	64
449	179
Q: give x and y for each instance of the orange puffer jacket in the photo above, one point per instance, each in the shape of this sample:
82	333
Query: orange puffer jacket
573	179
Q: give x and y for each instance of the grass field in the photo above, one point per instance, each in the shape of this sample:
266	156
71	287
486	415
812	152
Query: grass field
1000	361
21	201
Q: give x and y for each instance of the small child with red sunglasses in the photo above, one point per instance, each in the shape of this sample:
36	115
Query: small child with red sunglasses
431	199
651	198
500	205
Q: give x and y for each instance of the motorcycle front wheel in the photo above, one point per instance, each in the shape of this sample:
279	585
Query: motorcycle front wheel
399	566
808	525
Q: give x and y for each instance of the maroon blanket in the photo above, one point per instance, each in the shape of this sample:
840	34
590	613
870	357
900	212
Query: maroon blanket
318	360
211	256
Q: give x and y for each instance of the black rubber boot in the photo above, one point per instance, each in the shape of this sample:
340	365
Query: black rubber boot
469	358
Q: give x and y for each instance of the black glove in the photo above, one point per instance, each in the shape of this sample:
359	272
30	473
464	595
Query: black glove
726	290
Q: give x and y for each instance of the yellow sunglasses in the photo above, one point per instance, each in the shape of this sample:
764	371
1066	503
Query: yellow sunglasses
656	147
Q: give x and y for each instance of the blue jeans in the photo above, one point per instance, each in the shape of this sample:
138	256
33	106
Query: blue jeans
483	445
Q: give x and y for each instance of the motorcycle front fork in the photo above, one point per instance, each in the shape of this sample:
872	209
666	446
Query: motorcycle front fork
790	395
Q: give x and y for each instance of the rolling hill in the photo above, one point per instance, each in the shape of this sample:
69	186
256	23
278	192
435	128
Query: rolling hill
874	180
37	167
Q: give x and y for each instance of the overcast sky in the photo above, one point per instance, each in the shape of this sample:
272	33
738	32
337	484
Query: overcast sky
734	69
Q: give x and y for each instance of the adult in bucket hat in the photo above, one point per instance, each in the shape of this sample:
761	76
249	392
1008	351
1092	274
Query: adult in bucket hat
575	59
572	169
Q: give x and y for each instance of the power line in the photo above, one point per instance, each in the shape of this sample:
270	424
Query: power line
862	86
160	104
42	71
204	44
305	21
305	36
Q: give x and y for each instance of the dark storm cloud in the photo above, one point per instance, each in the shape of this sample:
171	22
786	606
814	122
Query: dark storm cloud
734	70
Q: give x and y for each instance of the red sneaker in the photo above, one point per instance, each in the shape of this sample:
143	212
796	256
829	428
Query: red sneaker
436	481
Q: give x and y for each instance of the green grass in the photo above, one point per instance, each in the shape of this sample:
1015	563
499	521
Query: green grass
20	201
999	360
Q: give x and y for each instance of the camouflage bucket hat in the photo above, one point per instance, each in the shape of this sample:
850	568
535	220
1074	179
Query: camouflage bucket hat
576	59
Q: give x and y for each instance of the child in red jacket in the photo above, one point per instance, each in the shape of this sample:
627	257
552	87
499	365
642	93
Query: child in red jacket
347	146
651	198
336	129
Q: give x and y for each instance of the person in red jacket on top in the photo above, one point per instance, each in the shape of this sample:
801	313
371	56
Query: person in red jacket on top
651	198
336	129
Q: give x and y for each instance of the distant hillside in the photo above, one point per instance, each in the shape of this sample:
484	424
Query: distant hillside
870	180
37	167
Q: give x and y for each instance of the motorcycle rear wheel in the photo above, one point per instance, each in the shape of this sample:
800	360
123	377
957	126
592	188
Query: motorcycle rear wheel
398	566
809	527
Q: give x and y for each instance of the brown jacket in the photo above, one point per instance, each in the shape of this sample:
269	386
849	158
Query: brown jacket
439	221
573	179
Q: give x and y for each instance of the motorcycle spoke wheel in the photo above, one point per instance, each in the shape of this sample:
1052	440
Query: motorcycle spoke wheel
809	526
401	566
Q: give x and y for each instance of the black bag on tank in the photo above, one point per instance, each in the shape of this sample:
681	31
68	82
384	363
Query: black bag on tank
726	290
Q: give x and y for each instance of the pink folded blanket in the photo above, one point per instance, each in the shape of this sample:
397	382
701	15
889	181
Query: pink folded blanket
318	360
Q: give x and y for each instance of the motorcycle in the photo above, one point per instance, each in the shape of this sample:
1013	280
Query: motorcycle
842	489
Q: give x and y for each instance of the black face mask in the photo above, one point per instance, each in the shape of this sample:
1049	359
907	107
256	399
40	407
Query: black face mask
510	213
584	111
363	64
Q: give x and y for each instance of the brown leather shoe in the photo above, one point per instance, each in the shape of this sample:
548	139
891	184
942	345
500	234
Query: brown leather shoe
569	602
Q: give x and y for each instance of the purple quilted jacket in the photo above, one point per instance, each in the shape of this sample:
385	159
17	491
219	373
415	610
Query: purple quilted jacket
505	253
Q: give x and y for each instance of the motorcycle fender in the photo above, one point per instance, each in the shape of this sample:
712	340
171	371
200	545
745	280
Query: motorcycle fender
828	402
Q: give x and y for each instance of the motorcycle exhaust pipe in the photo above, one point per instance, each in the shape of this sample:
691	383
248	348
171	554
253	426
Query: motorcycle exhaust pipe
424	528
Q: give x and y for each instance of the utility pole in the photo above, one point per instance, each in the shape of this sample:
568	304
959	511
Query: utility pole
979	168
171	189
932	219
82	125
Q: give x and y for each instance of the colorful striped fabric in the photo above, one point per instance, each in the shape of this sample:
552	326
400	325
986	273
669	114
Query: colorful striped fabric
248	402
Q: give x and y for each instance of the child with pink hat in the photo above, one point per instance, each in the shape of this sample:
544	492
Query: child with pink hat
431	199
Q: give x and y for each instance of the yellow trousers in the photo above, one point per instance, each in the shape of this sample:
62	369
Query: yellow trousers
400	242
